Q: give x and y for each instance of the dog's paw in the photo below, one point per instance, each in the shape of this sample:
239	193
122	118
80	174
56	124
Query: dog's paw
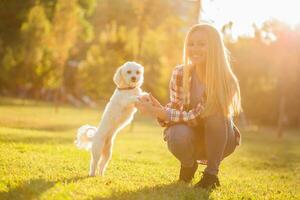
133	99
144	97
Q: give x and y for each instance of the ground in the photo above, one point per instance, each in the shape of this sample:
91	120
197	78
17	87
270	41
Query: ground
38	160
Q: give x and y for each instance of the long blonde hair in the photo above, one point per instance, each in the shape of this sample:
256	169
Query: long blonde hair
222	87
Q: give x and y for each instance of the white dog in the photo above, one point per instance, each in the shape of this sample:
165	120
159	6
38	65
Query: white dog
117	114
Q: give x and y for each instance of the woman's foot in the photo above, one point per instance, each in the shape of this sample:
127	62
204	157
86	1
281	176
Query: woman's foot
208	181
187	173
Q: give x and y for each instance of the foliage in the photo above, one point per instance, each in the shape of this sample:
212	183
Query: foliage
75	47
267	72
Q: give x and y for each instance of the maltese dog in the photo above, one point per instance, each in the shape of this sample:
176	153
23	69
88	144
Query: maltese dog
117	114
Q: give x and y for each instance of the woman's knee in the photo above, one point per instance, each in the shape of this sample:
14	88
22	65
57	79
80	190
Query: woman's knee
180	143
179	137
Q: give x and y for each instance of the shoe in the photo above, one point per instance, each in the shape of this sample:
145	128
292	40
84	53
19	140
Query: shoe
187	173
208	181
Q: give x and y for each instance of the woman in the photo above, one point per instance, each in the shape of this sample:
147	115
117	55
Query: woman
204	96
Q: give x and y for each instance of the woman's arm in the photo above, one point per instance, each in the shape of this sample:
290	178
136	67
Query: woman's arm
173	111
159	113
183	115
174	108
167	114
153	108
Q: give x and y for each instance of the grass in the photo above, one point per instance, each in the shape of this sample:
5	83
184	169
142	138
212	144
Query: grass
38	160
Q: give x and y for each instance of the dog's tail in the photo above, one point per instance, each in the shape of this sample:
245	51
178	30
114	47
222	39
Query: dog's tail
85	136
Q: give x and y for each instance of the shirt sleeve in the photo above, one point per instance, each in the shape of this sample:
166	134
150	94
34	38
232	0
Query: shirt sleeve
184	116
174	109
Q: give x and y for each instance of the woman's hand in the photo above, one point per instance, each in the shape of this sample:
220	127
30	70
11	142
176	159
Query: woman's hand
152	108
155	102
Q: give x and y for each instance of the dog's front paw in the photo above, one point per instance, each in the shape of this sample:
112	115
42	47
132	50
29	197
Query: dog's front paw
144	97
133	99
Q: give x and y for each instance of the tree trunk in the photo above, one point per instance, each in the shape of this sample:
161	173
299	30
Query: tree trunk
281	117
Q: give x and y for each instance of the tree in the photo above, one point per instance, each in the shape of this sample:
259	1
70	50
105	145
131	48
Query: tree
113	48
69	25
35	51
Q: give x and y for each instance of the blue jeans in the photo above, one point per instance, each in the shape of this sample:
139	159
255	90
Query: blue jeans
212	140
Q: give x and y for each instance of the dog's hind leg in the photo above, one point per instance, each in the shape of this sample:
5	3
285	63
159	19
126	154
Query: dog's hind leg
105	157
96	150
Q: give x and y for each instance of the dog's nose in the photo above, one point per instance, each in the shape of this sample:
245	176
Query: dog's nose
133	79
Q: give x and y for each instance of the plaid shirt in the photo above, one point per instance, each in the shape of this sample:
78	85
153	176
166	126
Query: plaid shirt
178	107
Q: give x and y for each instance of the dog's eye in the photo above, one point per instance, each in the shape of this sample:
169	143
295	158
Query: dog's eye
128	72
138	72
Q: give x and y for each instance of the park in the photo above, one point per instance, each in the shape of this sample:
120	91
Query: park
58	60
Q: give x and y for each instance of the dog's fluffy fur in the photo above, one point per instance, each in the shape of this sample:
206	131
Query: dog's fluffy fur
118	113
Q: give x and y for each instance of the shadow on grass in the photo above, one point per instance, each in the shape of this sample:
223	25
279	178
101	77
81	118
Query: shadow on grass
32	189
171	191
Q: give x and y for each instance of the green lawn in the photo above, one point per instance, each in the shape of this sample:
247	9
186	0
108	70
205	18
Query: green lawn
38	160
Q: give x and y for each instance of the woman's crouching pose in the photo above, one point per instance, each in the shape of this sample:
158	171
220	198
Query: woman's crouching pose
204	97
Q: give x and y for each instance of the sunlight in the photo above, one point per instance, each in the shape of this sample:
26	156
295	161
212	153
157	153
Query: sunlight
245	13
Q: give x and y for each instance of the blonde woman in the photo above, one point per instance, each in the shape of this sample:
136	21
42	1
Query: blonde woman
204	96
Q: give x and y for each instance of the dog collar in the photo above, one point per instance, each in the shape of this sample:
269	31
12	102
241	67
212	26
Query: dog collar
126	88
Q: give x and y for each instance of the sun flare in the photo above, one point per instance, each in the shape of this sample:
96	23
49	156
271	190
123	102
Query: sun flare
244	14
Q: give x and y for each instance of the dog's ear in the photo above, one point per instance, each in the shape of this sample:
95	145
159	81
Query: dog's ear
117	76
